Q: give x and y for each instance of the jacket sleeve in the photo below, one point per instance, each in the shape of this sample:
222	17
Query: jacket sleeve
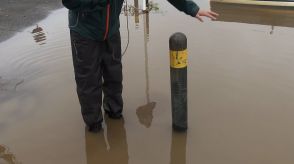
83	4
187	6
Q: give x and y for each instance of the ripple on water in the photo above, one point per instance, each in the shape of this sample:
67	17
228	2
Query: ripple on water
9	84
38	49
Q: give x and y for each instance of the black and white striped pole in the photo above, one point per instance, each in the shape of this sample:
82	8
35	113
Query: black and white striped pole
178	77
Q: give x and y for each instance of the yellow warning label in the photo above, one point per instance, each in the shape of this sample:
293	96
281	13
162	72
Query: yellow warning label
178	59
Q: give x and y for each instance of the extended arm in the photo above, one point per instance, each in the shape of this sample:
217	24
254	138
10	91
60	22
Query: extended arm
191	8
186	6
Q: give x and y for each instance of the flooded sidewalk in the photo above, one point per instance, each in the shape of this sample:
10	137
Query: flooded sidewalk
240	93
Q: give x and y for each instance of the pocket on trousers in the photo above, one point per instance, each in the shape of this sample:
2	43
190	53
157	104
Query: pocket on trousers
79	48
82	50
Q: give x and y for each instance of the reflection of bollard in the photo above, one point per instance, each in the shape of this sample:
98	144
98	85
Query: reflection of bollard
178	148
178	76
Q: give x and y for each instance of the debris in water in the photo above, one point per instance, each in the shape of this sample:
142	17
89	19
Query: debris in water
6	156
39	35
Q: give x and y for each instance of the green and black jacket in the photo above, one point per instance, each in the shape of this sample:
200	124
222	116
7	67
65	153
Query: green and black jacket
99	19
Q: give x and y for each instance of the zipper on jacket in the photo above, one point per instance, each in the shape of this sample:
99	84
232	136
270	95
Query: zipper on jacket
107	19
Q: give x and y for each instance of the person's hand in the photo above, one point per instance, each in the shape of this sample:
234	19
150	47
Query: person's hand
210	14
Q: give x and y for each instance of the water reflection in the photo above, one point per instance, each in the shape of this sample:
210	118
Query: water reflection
178	148
145	112
252	14
6	157
108	148
255	89
39	35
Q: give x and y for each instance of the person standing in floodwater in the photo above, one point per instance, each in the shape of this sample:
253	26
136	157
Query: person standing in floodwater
96	51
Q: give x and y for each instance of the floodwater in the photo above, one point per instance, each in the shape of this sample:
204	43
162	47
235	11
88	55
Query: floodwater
240	82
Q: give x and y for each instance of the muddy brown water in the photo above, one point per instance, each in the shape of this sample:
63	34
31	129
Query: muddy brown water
241	95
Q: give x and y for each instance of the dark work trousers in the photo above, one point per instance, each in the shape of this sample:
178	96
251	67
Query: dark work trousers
97	67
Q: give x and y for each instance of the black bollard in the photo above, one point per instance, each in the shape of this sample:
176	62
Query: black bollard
178	76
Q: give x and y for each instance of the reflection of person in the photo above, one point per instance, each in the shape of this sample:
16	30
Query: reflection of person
96	50
178	148
112	151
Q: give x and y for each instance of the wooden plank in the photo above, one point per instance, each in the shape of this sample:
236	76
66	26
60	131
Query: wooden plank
257	2
254	14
